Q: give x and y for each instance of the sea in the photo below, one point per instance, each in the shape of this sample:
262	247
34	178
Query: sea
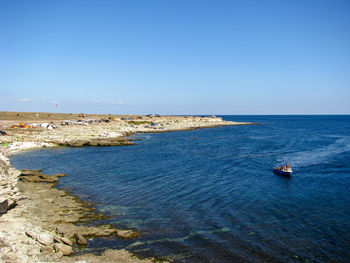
209	195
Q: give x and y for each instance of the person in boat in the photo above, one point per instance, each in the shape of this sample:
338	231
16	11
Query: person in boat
287	168
279	168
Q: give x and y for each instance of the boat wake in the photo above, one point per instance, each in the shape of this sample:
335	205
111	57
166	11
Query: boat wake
317	156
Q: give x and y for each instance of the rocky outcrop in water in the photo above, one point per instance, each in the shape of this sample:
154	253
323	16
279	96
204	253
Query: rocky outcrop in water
58	213
35	176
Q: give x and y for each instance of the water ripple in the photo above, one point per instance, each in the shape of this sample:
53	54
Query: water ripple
215	199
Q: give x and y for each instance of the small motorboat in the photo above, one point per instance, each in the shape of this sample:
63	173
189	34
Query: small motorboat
285	170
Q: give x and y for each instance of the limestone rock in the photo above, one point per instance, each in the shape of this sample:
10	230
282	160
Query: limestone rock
69	230
126	234
77	143
31	170
28	172
67	241
57	239
45	239
93	143
39	178
80	239
103	231
63	240
46	249
32	234
33	252
64	249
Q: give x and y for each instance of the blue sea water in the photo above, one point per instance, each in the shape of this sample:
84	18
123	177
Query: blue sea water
209	195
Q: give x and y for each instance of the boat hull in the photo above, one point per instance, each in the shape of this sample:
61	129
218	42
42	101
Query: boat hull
281	172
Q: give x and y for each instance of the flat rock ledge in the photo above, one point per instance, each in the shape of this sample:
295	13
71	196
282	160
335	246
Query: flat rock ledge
96	142
38	223
35	176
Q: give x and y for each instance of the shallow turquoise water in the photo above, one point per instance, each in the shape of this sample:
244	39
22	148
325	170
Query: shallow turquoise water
209	195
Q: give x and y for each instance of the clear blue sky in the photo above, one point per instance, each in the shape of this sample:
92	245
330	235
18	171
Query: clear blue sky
175	57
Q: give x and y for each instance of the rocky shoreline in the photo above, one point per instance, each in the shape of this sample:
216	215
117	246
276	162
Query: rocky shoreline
39	223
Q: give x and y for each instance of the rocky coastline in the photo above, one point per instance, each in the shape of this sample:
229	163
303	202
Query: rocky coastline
39	223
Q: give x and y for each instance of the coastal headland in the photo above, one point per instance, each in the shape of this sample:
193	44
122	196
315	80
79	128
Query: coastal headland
39	223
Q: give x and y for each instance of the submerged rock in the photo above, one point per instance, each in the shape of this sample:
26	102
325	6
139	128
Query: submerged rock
35	176
127	234
70	230
59	175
